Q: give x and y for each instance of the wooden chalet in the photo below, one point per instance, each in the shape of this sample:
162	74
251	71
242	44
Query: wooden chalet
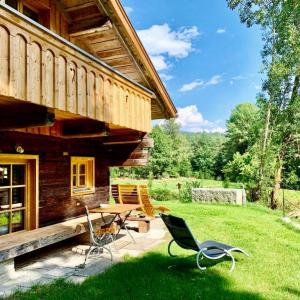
77	96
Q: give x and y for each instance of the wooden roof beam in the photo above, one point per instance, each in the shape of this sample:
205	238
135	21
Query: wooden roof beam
63	11
91	31
84	129
115	10
80	6
87	24
21	117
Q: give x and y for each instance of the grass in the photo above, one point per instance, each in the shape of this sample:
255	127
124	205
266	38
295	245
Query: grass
171	183
292	197
272	271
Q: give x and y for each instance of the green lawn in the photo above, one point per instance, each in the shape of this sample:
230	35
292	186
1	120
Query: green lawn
171	184
272	271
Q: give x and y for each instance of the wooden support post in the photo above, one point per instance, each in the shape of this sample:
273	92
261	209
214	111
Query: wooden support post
143	223
144	226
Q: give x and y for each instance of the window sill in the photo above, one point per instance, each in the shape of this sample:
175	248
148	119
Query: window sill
81	192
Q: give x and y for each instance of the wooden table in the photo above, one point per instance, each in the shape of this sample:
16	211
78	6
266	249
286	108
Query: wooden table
117	210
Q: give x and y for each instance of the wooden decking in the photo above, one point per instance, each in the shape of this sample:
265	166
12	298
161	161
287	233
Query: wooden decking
20	243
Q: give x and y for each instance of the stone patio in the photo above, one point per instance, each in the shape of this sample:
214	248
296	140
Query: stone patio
63	260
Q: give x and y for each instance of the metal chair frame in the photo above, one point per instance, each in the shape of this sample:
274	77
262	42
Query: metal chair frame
98	242
204	252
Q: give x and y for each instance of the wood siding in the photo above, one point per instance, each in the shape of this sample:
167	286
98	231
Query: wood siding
37	67
55	201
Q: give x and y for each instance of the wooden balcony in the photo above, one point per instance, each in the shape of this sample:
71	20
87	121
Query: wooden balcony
39	67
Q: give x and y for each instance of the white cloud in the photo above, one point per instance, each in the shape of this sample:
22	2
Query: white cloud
214	80
160	39
237	78
200	83
191	86
159	62
258	87
191	120
165	77
162	43
221	30
128	10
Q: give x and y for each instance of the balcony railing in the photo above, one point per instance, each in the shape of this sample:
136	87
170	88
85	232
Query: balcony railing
40	67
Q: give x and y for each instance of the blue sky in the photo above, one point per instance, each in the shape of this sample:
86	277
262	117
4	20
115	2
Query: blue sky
208	60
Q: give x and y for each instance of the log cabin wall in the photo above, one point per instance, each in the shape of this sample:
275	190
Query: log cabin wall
55	201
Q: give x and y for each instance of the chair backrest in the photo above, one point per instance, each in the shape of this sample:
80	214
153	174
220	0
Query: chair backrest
145	200
90	224
115	192
125	193
133	194
180	232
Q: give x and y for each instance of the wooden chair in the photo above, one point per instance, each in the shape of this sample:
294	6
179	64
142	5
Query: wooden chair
148	208
136	194
98	238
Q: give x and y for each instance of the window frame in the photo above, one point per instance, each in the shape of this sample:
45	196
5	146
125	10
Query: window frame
31	217
89	175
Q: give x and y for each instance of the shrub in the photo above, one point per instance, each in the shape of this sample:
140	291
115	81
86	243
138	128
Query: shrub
186	190
163	194
226	183
150	180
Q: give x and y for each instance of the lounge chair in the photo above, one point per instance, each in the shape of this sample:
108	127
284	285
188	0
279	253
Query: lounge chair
184	238
148	208
136	194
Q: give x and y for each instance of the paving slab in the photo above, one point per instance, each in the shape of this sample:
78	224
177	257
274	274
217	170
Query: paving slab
28	284
9	291
93	268
76	279
57	272
62	262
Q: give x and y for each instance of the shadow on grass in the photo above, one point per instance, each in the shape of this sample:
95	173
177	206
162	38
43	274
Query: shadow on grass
292	291
147	277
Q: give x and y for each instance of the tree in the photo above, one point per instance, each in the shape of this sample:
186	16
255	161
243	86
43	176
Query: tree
206	148
171	153
241	160
280	22
181	149
242	127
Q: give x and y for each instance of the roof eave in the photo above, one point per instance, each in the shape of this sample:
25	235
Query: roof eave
122	18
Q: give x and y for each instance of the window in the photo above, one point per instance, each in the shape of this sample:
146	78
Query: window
82	175
13	198
18	194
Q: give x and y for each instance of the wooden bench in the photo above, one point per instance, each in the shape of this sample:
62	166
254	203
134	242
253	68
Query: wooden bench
21	243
